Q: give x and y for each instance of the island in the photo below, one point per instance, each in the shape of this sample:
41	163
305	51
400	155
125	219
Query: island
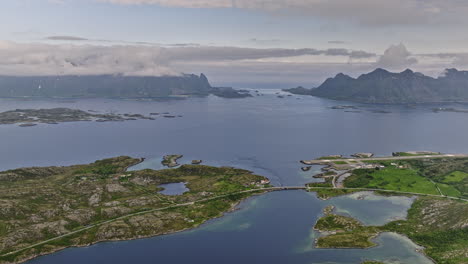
112	86
171	160
383	87
437	220
31	117
46	209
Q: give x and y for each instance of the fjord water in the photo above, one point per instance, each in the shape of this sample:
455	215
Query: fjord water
265	134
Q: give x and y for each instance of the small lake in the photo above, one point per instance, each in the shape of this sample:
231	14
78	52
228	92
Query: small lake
174	188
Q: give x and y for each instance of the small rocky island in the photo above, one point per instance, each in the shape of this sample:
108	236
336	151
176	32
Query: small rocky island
171	160
32	117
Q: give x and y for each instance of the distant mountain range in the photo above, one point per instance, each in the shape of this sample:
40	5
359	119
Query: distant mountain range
111	86
381	86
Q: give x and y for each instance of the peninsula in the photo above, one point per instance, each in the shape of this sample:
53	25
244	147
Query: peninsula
45	209
437	220
384	87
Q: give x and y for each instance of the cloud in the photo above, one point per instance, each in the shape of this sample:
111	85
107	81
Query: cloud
67	38
370	12
266	41
210	53
46	59
396	57
49	59
339	42
224	65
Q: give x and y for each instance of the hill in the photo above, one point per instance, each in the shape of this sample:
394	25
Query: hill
382	86
110	86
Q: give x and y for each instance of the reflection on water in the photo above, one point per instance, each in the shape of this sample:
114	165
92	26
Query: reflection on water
372	209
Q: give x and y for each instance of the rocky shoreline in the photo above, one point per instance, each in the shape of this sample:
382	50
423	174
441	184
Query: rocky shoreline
33	117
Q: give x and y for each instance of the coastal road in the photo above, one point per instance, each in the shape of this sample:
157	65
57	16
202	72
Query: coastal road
268	189
389	191
321	161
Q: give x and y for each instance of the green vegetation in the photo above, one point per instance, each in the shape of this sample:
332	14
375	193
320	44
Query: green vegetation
334	222
100	167
410	154
448	190
42	203
343	232
439	225
372	262
456	176
332	157
358	238
340	162
391	178
332	192
450	175
171	160
450	171
31	117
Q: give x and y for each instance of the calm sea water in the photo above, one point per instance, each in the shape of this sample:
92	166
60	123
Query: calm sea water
265	134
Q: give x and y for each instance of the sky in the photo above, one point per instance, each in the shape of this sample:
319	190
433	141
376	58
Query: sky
241	43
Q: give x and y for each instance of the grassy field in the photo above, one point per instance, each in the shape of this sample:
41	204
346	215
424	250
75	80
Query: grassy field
448	190
340	162
45	202
419	176
391	178
456	176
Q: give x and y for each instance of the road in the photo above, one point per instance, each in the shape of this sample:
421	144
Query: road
389	191
269	189
312	162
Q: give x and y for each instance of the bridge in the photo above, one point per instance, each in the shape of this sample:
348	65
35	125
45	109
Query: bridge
260	190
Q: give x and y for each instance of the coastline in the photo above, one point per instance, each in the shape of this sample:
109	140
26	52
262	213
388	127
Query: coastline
232	208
